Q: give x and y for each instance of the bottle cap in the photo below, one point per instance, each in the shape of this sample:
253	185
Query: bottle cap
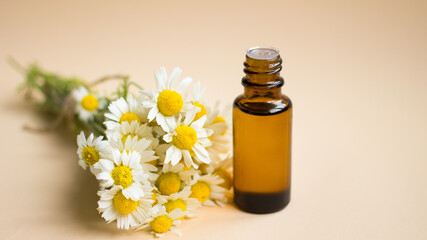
262	53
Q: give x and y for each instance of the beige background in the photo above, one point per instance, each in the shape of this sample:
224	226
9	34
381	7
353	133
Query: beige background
355	70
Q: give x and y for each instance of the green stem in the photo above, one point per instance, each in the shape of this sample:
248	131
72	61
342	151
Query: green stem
136	85
15	64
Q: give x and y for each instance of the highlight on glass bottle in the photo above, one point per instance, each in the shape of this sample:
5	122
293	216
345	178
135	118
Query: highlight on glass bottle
262	133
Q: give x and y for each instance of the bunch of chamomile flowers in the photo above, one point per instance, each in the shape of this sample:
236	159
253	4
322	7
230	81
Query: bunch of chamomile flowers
160	156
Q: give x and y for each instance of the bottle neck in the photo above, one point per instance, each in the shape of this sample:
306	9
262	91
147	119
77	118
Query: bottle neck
262	69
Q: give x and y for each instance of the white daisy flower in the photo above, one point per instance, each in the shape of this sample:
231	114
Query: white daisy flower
206	189
87	104
198	93
90	150
124	110
167	102
148	160
129	213
124	170
172	178
161	221
134	129
189	141
181	200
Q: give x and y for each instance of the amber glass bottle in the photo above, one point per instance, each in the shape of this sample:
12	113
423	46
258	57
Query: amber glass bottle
262	124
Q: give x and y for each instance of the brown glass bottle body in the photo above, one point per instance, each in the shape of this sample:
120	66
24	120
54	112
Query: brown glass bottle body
262	132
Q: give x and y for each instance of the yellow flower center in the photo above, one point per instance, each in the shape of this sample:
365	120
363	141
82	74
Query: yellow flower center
202	111
222	173
200	191
174	204
161	224
124	205
126	137
169	102
122	176
89	103
185	137
129	117
168	183
90	155
219	119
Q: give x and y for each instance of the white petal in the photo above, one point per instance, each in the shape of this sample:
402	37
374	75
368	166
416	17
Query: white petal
161	78
162	122
103	176
168	137
176	157
189	116
153	113
176	213
173	154
174	77
187	158
183	84
171	122
83	164
106	165
201	153
199	123
135	160
202	133
134	191
147	93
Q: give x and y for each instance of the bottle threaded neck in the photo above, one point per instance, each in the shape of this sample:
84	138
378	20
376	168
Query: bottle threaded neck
262	67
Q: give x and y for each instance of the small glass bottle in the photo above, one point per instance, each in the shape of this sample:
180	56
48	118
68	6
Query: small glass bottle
262	128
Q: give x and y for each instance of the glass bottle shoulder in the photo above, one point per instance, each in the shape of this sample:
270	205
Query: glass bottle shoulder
263	105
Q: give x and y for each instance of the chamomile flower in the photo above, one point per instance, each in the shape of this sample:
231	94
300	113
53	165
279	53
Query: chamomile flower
124	170
167	102
172	178
90	150
181	200
147	158
188	141
129	213
124	110
161	221
198	93
134	129
206	189
87	104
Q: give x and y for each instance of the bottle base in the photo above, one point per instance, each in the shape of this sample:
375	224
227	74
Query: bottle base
262	203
